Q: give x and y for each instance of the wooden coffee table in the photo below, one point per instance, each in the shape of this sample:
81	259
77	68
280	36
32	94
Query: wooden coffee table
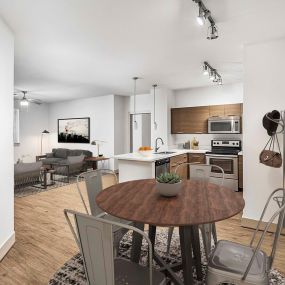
94	160
197	203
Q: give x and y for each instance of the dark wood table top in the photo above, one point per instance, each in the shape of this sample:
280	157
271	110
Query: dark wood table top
196	203
96	158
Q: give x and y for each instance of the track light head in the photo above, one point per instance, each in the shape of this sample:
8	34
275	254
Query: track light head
212	74
212	32
205	70
220	81
200	17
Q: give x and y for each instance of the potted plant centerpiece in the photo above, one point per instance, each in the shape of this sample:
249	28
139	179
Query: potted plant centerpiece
168	184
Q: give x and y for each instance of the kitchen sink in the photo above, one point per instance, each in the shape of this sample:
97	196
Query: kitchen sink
164	152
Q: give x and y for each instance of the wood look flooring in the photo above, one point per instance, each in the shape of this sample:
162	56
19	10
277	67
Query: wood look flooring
44	242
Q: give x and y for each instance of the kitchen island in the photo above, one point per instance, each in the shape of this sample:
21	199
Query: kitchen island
134	166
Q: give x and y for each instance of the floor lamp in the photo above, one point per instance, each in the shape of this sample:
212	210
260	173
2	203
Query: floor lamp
43	133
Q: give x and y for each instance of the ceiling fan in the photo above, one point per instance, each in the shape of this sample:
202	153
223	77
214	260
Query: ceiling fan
24	101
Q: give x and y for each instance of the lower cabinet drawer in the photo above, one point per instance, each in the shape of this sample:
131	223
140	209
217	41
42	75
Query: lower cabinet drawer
196	158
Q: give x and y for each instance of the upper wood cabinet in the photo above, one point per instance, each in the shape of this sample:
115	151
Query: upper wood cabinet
191	120
217	110
233	110
226	110
194	120
178	122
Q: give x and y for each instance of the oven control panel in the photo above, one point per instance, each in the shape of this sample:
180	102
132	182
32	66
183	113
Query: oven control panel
226	143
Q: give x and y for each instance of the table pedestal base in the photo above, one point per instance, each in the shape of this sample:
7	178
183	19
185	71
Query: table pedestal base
190	243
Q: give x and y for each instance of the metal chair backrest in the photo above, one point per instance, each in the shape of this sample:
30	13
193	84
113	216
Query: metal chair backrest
94	184
280	213
94	238
202	172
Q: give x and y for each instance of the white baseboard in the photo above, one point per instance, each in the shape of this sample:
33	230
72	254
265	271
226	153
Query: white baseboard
7	245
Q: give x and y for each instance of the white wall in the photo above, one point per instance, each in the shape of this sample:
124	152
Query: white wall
203	96
164	101
33	121
7	235
101	113
264	90
213	95
121	131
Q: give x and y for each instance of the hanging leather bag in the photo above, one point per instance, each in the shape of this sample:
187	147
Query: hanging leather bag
270	157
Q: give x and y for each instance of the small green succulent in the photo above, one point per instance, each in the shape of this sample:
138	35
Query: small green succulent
170	178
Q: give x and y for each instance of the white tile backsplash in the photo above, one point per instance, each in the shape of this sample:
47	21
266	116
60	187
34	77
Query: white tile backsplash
205	139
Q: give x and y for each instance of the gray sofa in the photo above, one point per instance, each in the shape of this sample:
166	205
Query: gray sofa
67	161
27	173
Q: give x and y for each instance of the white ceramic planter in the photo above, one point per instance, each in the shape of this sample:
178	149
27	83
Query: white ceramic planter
168	190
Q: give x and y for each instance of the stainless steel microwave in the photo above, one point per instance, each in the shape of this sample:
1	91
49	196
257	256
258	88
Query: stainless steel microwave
224	125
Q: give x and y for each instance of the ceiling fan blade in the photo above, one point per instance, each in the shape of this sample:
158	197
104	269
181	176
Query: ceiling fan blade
34	101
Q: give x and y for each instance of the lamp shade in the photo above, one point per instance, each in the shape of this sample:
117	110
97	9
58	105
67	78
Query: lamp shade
45	132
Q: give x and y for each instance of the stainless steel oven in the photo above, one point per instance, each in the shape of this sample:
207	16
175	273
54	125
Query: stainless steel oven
224	154
229	163
224	125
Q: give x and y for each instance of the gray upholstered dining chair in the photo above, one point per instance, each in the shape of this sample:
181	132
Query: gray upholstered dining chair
202	173
234	263
94	184
94	238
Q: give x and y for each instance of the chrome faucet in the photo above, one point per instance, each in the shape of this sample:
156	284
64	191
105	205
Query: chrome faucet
156	147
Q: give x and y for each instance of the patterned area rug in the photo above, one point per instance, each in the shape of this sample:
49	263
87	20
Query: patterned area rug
32	190
72	271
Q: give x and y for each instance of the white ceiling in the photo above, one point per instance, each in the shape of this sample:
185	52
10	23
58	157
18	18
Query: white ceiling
72	48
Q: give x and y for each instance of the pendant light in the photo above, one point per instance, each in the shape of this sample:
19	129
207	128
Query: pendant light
154	119
135	90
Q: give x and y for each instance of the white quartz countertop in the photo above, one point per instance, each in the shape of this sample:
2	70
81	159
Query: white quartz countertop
154	157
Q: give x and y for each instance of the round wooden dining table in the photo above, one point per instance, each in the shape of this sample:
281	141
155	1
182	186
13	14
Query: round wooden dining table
197	203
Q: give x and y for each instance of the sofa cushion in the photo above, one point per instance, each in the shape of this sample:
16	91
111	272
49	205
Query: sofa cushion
60	152
27	168
75	159
77	152
51	160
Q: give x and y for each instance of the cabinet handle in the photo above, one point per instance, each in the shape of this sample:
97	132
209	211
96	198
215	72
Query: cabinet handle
180	132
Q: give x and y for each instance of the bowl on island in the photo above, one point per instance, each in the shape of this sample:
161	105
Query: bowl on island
145	151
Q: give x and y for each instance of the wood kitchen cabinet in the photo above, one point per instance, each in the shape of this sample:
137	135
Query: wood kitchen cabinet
194	120
240	171
190	120
217	110
225	110
176	161
233	110
179	120
197	158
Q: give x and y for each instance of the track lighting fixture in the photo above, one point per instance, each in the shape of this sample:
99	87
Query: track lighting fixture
205	14
213	74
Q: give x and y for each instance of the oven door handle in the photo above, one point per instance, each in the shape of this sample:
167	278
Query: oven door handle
224	156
